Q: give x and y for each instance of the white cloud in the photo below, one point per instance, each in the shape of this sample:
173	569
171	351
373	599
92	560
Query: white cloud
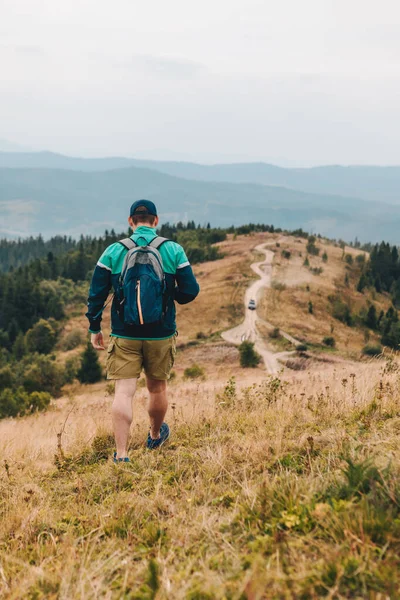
311	81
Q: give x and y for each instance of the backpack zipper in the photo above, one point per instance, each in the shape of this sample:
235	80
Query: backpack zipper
138	302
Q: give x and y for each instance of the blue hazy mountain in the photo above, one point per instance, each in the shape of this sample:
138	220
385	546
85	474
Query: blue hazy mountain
379	184
50	201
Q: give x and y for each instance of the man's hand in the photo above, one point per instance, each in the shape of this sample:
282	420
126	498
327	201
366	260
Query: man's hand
97	341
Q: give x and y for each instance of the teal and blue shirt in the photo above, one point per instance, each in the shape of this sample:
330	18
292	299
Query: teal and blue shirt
181	286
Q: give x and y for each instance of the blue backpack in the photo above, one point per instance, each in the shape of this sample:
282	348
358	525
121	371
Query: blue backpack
142	287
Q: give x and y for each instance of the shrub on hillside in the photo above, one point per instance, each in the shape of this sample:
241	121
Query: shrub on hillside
278	285
229	395
391	338
10	403
329	341
72	340
325	257
286	254
311	247
372	350
341	311
71	368
38	401
194	372
41	337
275	333
301	347
349	259
6	378
90	370
198	254
43	375
20	402
200	335
249	358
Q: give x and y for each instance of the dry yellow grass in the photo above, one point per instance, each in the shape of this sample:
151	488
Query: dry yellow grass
263	492
287	308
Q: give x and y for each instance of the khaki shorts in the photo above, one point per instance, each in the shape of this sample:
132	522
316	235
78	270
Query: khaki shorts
126	358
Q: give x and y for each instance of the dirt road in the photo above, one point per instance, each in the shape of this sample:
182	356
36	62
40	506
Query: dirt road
248	329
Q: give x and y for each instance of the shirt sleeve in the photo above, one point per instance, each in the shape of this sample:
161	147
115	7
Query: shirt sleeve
105	260
99	289
181	259
187	287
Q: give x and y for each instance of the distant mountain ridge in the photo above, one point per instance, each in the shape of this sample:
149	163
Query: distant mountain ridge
7	146
378	184
58	201
52	160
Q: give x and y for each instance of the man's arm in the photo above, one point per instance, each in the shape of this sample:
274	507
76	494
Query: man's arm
99	289
187	287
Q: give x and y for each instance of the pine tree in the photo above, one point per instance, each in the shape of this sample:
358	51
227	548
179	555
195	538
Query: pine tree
392	337
371	320
363	282
311	247
395	292
13	330
19	346
90	370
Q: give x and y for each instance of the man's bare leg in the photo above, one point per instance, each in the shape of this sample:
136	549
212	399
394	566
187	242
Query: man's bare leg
158	405
122	413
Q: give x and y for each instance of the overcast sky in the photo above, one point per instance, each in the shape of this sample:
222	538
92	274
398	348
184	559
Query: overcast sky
289	81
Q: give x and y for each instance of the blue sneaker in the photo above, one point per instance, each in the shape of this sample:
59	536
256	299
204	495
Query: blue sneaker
120	460
164	435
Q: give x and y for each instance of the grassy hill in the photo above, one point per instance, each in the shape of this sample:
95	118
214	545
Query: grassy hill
295	286
271	487
52	201
255	497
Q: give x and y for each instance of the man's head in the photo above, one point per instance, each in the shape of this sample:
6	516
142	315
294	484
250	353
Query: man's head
143	212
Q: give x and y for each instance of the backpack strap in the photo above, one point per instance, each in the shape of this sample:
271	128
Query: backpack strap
158	241
128	243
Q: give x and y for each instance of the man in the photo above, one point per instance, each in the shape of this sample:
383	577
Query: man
150	346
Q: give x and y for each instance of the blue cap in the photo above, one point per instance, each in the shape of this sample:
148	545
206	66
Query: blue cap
143	207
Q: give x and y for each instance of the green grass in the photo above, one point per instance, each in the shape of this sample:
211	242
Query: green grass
280	343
